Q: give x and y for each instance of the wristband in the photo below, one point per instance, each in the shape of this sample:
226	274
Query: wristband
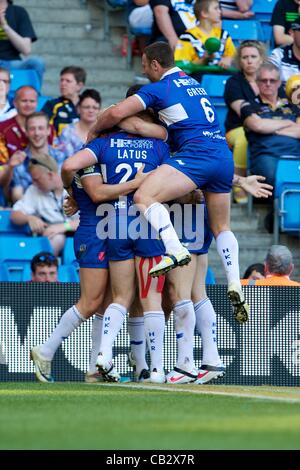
67	226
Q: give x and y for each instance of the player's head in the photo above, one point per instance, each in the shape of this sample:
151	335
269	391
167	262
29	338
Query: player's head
208	10
279	260
156	60
132	90
44	267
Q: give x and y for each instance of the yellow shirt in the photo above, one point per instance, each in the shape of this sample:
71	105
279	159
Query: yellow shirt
191	45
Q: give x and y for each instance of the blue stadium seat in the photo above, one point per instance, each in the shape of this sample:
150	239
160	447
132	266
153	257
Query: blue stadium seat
68	256
42	99
8	228
24	77
263	12
68	273
243	30
287	197
210	277
17	252
215	86
4	275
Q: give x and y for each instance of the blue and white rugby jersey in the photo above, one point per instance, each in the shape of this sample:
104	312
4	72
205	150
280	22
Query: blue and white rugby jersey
185	109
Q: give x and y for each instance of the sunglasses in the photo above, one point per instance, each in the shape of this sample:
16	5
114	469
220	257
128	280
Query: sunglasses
46	258
272	81
37	162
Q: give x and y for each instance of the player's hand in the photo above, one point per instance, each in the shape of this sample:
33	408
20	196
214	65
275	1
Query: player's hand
254	185
17	158
140	176
36	224
70	206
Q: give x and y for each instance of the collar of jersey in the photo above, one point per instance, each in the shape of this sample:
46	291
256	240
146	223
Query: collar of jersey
172	70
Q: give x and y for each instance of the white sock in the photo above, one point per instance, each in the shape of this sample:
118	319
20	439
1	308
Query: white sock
158	216
96	341
113	320
136	331
70	320
206	324
154	330
228	249
184	316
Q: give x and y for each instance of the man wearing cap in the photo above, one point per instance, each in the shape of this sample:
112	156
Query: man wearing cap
41	207
278	268
287	58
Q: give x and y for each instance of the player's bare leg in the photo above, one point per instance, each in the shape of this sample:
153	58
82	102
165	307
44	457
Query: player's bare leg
211	365
164	184
218	205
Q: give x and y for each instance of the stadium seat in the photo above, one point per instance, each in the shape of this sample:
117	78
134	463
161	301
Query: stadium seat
263	12
287	197
24	77
17	252
210	277
215	86
8	228
42	99
68	256
243	30
4	275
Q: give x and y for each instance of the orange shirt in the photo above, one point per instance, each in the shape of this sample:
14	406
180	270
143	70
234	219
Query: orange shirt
272	281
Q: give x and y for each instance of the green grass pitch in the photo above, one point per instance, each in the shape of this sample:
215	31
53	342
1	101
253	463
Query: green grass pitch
80	416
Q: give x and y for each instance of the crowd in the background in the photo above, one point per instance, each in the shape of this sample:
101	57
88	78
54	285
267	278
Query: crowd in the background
262	123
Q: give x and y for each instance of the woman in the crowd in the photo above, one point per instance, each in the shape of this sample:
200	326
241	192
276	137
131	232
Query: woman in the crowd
74	135
241	87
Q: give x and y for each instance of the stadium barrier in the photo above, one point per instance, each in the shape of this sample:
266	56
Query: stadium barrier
265	351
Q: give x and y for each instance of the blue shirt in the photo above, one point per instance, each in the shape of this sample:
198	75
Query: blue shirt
87	208
120	156
184	107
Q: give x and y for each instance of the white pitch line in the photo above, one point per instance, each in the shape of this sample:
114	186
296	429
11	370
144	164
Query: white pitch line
202	392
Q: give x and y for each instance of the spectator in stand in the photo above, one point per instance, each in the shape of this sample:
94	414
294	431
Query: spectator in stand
38	131
7	111
236	9
62	111
41	207
16	36
44	267
74	135
284	14
292	89
271	124
252	273
239	88
191	44
171	19
278	268
287	58
140	14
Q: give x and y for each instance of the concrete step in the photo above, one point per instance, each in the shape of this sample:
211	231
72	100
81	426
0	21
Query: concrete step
68	31
106	62
59	15
49	4
62	46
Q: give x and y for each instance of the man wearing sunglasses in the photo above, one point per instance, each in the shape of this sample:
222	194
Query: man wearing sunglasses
272	125
41	205
44	267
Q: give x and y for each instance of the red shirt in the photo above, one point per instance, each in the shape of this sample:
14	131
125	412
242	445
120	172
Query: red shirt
12	138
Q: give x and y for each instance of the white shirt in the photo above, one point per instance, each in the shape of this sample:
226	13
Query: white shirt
47	206
7	112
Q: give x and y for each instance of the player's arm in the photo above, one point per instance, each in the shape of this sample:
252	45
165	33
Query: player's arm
101	192
137	125
115	114
81	159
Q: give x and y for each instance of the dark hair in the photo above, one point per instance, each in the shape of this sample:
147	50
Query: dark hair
78	72
202	5
259	267
90	93
162	52
43	258
132	90
37	114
